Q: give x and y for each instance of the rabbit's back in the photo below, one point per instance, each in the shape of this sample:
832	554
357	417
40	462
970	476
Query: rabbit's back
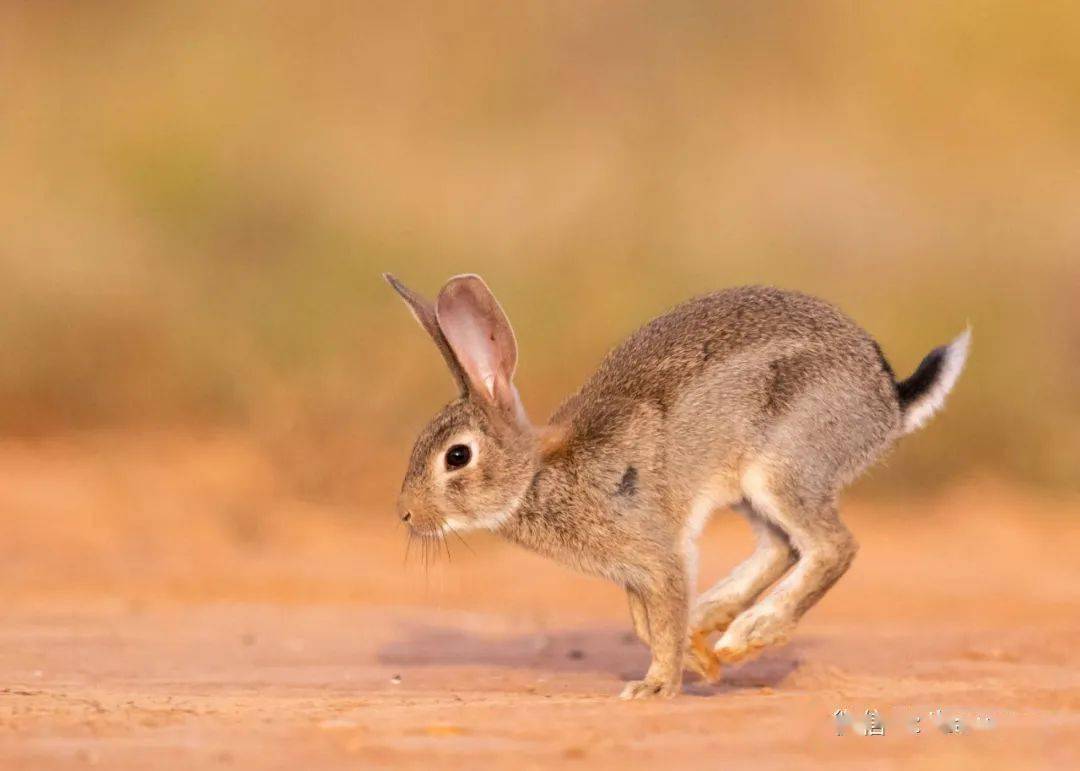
730	362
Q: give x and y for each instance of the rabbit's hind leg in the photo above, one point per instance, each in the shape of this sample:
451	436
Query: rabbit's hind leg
825	550
716	608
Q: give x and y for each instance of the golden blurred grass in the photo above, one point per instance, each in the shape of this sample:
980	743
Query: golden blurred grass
196	203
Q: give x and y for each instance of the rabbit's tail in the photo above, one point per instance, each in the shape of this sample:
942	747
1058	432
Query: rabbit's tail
923	394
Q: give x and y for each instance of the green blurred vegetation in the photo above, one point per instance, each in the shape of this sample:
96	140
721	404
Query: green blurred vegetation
196	202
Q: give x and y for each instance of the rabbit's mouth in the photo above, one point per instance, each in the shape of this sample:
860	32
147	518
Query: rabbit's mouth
425	522
454	525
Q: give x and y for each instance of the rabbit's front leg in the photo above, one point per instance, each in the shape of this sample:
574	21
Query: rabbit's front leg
699	654
665	605
639	615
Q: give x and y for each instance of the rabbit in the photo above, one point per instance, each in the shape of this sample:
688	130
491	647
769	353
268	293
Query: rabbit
760	399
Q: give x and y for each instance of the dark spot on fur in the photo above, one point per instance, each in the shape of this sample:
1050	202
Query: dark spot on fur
628	483
773	390
787	378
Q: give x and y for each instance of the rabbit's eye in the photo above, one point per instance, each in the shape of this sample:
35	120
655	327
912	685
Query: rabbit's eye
458	456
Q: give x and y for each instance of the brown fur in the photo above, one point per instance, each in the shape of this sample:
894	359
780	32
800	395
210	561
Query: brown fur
753	397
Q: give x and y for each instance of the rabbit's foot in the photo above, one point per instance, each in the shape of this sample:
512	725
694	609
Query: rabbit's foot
753	630
649	688
701	658
711	616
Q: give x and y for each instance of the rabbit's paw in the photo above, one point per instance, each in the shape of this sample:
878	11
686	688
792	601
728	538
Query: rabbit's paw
712	616
649	689
752	631
701	658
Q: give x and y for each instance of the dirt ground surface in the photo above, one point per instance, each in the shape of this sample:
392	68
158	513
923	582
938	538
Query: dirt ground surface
167	606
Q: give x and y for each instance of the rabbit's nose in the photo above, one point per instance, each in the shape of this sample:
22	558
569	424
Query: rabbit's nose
405	505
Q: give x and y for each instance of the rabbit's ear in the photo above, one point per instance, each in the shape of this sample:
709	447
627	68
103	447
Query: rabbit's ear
424	312
482	340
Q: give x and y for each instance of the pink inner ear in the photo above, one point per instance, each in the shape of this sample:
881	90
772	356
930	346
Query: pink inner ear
478	332
473	340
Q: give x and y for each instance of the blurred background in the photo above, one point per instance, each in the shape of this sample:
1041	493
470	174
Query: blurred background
208	394
196	204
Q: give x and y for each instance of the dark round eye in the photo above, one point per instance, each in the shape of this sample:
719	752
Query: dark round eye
458	456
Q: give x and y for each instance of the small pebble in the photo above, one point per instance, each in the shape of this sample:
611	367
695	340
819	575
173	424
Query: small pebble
396	679
576	653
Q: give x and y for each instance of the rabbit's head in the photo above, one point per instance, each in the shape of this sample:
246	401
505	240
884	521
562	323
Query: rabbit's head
473	462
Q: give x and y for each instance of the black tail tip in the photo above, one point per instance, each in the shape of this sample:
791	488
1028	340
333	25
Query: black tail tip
923	378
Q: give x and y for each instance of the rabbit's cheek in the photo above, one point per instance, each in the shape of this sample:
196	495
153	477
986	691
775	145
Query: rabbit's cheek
456	497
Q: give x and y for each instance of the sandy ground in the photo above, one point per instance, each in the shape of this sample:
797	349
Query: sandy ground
167	607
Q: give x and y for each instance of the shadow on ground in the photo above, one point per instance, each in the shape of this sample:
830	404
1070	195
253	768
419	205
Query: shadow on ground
604	650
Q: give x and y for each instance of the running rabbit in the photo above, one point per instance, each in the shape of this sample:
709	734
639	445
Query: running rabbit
765	400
